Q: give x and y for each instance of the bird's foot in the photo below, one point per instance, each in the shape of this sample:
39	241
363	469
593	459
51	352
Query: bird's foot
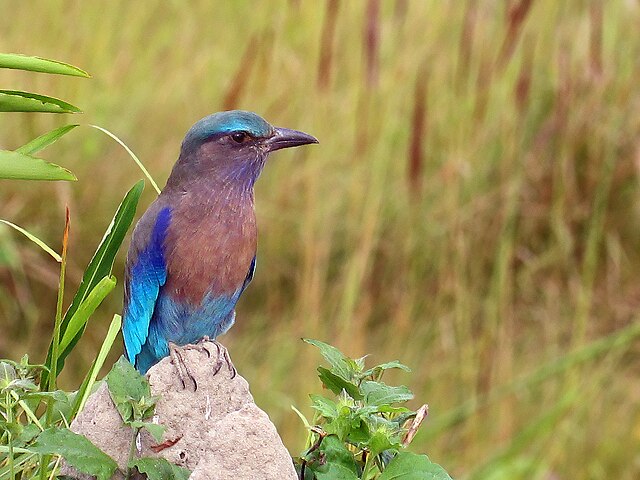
222	354
183	371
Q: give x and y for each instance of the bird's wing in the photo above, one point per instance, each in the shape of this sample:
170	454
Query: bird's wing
146	272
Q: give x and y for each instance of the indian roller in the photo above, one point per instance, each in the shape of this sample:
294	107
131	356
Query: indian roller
193	252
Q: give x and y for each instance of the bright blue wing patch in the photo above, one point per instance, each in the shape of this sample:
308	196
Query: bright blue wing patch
146	276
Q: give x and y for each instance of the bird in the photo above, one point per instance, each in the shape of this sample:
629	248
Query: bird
193	252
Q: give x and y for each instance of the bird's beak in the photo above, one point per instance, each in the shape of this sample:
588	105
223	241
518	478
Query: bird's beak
285	138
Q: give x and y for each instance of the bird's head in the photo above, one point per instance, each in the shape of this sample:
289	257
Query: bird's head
232	146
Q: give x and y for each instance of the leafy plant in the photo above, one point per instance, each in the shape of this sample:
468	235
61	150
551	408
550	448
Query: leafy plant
34	413
361	433
131	395
34	426
21	164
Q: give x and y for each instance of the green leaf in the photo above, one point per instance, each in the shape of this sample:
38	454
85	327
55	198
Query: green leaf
18	101
377	393
80	318
154	429
43	141
38	64
61	403
100	265
87	384
337	461
159	469
337	383
77	450
28	433
410	466
127	387
340	364
16	166
22	385
7	374
34	239
326	407
336	471
385	366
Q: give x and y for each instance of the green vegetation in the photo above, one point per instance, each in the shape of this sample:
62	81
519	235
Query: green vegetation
472	208
362	433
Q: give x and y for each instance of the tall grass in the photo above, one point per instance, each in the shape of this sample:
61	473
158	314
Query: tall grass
472	208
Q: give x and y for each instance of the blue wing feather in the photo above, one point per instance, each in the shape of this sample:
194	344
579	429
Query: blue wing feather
146	274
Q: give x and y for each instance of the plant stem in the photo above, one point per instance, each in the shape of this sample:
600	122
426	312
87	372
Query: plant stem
367	465
12	473
132	450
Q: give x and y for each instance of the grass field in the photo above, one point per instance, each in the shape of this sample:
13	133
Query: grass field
472	209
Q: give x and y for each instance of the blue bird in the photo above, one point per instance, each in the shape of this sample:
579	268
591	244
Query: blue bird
193	252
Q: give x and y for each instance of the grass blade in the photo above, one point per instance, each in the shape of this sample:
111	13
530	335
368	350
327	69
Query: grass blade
34	239
43	141
18	101
102	262
133	155
90	379
17	166
78	321
38	64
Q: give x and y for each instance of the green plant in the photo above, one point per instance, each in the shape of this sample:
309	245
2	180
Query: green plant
34	413
362	432
131	395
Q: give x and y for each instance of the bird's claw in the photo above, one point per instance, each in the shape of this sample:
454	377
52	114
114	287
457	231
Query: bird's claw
224	353
181	367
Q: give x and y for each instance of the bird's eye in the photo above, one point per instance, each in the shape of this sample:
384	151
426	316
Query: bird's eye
239	137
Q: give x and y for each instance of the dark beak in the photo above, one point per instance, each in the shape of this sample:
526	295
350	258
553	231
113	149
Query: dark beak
285	138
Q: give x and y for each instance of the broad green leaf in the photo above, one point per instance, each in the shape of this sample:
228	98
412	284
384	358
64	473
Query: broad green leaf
87	384
378	393
17	166
18	101
77	450
43	141
410	466
340	364
326	407
337	383
61	403
38	64
127	387
386	366
384	435
336	471
7	374
343	426
80	318
22	385
34	239
337	461
154	429
28	433
159	469
101	263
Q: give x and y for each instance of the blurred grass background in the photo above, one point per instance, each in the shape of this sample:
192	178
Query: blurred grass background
472	210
